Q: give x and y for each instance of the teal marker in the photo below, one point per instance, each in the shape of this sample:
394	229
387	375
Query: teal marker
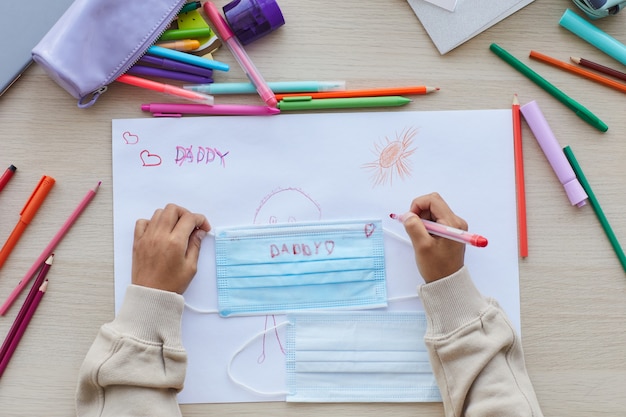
592	34
276	87
572	104
307	103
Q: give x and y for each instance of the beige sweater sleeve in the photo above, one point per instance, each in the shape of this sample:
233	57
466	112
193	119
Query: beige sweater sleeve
475	353
136	365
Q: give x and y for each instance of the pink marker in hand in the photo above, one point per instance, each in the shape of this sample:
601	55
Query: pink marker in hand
447	232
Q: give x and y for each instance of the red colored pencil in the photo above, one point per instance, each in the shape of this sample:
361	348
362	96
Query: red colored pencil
600	68
24	316
519	179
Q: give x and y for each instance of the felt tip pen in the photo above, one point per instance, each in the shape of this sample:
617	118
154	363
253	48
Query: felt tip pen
444	231
147	71
227	36
27	214
178	110
307	103
573	105
172	65
187	58
188	7
180	34
276	86
8	174
165	88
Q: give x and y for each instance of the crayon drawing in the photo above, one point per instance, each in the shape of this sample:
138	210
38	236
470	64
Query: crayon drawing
392	158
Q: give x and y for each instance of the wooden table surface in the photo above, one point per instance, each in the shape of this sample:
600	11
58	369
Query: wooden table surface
573	289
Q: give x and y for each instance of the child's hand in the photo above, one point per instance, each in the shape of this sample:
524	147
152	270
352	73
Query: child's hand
436	257
166	248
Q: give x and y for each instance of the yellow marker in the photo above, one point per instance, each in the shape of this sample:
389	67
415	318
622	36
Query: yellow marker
182	45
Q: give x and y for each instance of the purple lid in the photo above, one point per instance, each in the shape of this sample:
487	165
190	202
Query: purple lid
253	19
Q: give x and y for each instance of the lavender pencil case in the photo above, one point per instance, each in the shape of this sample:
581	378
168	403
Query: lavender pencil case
96	41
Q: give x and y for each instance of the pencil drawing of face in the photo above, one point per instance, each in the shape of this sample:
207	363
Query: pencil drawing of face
287	205
392	158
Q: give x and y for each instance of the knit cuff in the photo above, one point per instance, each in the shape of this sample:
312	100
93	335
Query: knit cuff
151	315
451	302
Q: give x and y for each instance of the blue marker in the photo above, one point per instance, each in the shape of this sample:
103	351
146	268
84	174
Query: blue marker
187	58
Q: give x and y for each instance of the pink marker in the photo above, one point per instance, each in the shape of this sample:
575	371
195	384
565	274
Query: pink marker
447	232
227	36
180	109
553	151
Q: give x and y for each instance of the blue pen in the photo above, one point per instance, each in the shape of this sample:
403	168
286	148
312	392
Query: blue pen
276	87
187	58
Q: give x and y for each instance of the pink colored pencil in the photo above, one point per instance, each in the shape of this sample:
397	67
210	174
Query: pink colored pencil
48	250
26	314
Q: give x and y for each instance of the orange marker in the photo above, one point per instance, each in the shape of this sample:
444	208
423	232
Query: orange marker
26	215
182	45
371	92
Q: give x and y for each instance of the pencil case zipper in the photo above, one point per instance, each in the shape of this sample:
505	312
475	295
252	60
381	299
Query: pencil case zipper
96	41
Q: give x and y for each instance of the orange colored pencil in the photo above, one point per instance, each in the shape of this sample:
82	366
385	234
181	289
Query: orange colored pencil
371	92
579	71
519	179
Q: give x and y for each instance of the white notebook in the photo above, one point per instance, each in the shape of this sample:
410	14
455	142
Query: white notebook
449	29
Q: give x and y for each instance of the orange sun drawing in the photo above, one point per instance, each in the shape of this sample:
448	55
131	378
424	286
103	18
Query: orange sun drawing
392	158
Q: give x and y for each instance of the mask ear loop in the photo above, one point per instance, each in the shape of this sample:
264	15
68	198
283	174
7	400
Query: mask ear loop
408	242
199	310
241	349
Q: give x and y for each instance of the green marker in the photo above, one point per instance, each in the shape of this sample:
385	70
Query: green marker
192	33
578	108
596	206
308	103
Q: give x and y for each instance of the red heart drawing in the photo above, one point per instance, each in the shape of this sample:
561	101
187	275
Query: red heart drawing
130	139
149	159
369	229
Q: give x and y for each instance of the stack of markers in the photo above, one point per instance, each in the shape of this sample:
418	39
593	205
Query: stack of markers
176	56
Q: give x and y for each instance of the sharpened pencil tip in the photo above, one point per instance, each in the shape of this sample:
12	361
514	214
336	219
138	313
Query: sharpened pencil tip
574	59
49	260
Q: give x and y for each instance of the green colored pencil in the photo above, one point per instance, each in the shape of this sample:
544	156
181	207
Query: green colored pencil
575	106
596	206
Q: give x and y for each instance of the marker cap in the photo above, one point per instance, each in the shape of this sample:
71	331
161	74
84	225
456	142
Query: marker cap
253	19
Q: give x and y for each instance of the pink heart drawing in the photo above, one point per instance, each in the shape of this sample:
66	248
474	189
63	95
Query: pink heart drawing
369	229
130	139
149	159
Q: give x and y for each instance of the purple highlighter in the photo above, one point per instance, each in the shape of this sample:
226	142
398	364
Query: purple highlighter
551	148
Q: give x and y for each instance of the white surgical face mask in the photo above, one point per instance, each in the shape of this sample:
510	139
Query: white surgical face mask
273	269
355	356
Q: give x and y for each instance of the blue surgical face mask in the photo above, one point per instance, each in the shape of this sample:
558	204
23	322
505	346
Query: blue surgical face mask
273	269
359	356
